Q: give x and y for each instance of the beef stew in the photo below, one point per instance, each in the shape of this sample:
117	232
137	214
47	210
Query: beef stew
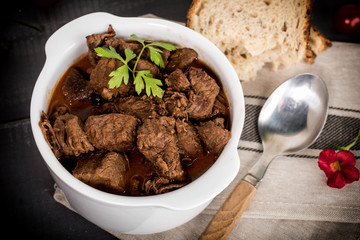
126	143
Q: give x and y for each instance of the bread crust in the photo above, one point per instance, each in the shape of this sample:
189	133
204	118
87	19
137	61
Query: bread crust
313	48
307	26
192	12
325	43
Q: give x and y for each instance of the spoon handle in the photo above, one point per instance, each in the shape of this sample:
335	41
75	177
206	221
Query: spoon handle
230	212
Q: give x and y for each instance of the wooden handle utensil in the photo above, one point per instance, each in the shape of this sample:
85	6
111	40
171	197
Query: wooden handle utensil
230	212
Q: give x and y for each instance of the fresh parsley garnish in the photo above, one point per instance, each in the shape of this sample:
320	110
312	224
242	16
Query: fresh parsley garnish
142	79
122	73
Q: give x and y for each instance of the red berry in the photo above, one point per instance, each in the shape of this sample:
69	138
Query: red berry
347	19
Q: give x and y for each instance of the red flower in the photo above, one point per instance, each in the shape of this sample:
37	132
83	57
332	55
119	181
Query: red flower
339	167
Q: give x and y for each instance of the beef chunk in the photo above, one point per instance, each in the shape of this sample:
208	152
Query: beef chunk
160	106
99	79
59	110
157	142
201	82
188	140
96	40
146	65
109	107
76	87
176	104
142	107
177	81
70	135
165	56
116	43
135	185
161	185
214	135
49	134
199	106
220	108
120	45
112	132
181	58
105	171
204	95
134	46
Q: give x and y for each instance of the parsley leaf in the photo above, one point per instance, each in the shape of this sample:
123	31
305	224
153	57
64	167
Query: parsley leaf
152	84
155	56
139	82
167	46
111	53
136	38
108	53
122	73
129	55
142	79
155	53
118	75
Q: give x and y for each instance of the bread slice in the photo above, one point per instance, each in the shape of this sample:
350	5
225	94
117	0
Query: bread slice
252	33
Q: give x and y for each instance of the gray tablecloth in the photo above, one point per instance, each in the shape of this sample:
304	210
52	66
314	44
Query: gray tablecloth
293	201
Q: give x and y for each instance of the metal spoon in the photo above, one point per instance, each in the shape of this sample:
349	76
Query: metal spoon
290	120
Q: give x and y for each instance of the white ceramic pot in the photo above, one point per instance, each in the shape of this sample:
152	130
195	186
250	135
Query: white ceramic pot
149	214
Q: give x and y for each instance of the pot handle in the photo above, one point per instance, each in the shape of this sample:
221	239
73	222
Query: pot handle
230	212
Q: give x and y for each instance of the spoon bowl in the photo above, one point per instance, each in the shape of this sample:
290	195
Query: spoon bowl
294	114
290	120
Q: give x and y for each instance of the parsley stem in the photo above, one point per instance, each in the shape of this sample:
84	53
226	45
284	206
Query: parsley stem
137	60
